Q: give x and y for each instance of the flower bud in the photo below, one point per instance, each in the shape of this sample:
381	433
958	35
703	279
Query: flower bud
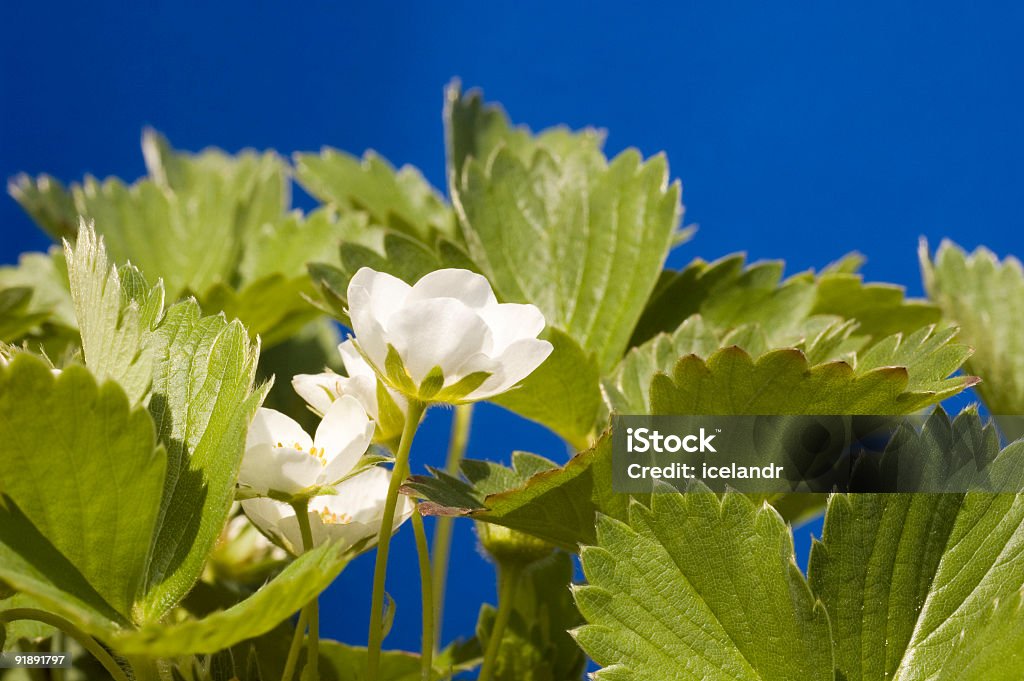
510	547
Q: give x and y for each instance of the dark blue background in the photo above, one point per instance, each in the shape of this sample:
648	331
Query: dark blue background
799	130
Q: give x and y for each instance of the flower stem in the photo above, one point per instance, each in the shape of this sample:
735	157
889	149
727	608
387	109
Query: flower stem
296	646
443	525
312	609
508	582
398	475
427	652
88	642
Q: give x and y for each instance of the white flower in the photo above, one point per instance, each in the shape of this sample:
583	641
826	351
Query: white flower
385	406
280	456
353	516
446	338
243	553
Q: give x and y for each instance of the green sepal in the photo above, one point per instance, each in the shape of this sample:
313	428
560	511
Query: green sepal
396	373
457	392
432	383
390	417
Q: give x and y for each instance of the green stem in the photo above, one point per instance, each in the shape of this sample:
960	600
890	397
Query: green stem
461	422
296	646
88	642
508	582
380	568
312	609
427	647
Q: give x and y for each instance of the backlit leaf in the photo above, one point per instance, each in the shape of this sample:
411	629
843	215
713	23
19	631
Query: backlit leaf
702	588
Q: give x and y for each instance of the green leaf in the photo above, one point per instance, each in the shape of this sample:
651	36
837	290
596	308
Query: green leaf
627	389
728	296
48	203
16	318
986	298
401	200
332	285
535	497
926	586
33	566
697	587
475	129
198	211
22	630
299	583
896	376
342	662
285	246
49	303
202	409
880	309
116	312
214	226
563	393
81	475
536	645
273	308
557	225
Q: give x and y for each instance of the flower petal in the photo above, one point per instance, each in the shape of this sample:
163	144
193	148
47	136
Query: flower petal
438	332
343	435
318	390
275	520
272	427
469	287
519	360
284	469
378	292
510	322
373	298
354	363
355	513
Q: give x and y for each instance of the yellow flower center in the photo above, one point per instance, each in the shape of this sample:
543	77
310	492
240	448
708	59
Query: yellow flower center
317	453
330	518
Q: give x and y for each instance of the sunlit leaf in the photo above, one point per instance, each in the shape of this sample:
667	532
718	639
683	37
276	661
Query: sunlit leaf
401	200
557	504
702	588
729	295
986	298
280	598
552	222
926	586
897	376
202	410
80	475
